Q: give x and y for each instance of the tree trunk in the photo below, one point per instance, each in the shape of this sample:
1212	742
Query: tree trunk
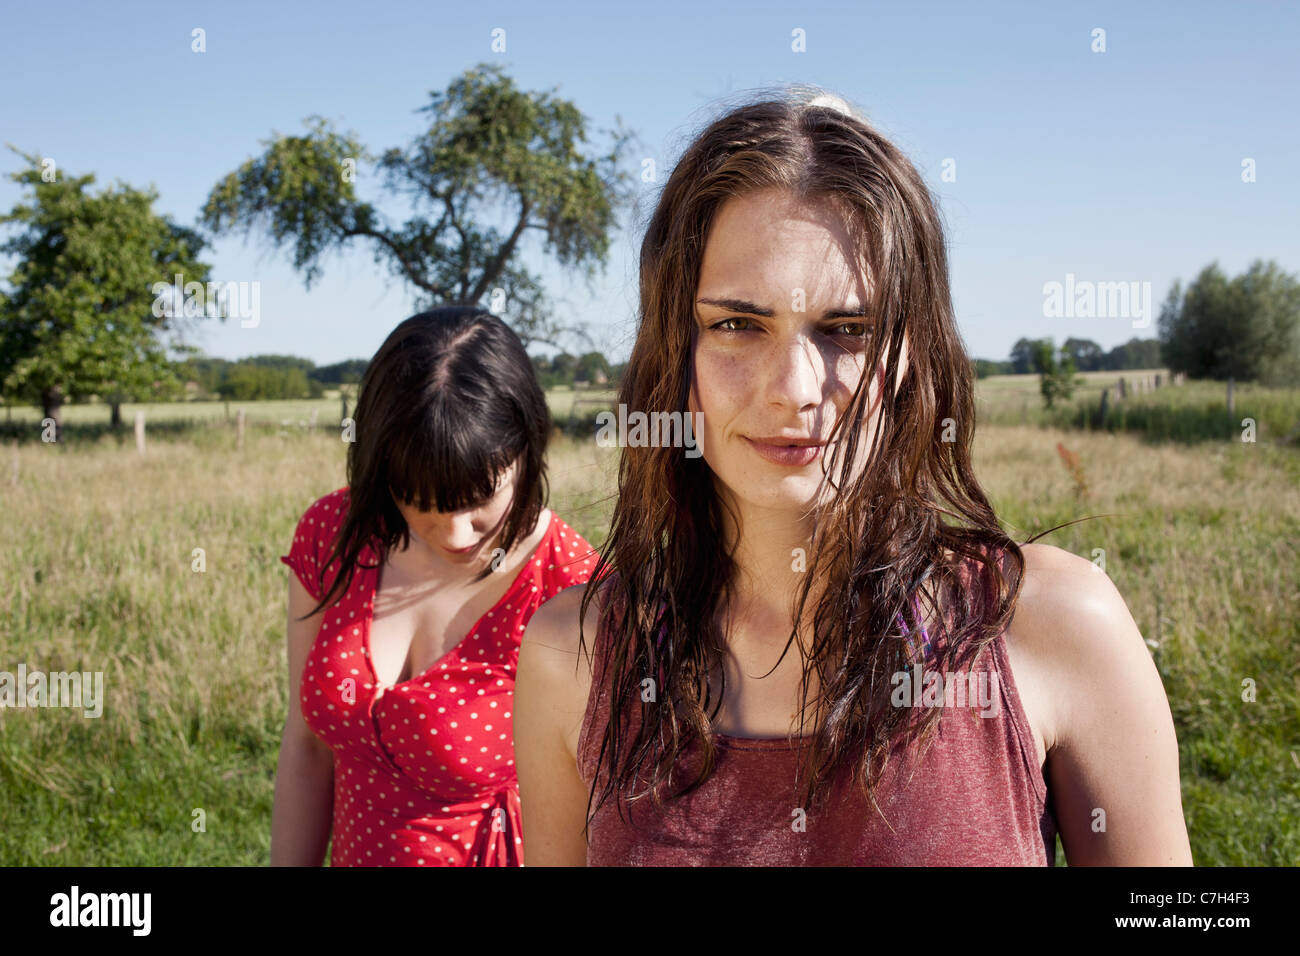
116	421
52	407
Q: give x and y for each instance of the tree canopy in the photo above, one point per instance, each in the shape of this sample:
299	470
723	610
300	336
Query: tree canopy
489	146
78	316
1247	327
1086	355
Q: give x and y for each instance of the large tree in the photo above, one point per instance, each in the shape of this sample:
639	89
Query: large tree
1247	327
489	147
79	316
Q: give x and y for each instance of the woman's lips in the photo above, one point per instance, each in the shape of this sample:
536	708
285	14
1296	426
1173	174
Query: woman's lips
796	456
463	550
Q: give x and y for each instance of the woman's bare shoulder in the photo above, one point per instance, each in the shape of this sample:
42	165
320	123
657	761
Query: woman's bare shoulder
554	630
1111	731
1070	623
555	667
559	643
1058	584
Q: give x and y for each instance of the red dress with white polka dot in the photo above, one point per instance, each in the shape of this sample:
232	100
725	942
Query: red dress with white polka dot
424	771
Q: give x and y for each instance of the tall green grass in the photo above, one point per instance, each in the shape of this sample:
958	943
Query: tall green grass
1196	411
1203	542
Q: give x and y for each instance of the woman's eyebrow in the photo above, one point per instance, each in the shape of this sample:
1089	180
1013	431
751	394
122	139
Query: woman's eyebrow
749	308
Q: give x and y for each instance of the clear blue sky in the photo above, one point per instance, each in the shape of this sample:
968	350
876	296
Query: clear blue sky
1115	166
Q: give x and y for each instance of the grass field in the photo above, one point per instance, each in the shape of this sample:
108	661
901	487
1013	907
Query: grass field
1203	541
1192	412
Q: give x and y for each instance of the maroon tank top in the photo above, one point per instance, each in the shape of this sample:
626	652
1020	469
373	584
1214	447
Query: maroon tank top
976	797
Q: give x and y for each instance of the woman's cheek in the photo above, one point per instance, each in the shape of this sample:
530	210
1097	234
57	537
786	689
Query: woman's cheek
729	380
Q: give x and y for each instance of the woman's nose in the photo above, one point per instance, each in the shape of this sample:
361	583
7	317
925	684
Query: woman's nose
795	374
458	530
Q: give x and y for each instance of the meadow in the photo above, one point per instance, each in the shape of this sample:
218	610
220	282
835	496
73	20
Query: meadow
1201	535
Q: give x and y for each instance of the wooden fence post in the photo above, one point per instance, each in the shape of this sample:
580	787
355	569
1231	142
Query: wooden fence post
139	432
1232	405
239	429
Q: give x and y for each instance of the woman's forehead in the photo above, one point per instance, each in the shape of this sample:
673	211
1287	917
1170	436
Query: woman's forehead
783	254
780	214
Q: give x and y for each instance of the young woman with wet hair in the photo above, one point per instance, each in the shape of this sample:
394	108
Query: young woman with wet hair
411	590
953	697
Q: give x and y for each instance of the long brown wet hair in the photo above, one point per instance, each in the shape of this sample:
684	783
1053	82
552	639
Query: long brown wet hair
449	402
912	531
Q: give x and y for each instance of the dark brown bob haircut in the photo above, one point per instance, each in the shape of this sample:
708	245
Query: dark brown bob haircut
907	542
448	403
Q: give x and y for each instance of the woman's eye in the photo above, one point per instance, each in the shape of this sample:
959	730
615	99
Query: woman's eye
734	319
738	323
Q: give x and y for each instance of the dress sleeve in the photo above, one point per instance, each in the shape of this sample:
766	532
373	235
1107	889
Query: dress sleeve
307	549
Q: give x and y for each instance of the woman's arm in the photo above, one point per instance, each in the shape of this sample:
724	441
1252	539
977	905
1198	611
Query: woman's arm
1113	768
550	699
301	815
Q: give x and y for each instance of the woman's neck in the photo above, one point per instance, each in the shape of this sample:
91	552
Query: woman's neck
771	554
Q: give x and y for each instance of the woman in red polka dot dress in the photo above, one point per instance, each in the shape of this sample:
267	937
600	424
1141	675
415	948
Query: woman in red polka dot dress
400	747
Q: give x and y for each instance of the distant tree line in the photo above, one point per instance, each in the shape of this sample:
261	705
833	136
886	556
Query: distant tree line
1246	327
1086	355
266	377
262	377
565	370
